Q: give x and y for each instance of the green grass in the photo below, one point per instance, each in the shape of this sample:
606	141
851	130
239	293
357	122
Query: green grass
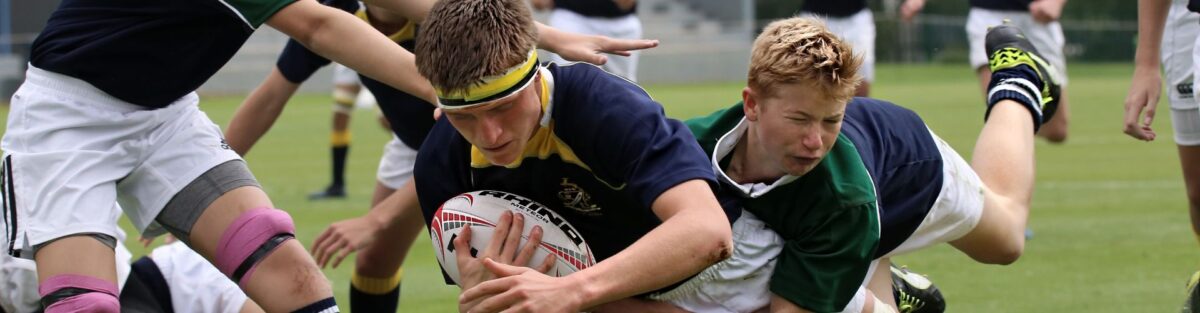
1109	213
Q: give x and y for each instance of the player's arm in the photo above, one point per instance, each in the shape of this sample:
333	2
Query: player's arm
695	234
587	48
568	45
259	111
1147	84
625	4
910	8
1046	11
343	38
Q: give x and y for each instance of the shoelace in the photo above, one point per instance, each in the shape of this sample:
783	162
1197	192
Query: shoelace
909	303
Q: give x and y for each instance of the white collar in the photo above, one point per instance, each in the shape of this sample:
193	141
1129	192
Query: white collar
725	146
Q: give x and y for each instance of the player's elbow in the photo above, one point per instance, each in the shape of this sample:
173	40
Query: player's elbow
718	243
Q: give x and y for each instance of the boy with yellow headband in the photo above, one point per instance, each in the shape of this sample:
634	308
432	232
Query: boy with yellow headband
557	134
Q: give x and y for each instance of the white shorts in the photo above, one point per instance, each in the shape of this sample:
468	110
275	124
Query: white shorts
1046	38
396	165
71	150
626	27
859	31
739	283
1179	37
343	75
957	209
196	285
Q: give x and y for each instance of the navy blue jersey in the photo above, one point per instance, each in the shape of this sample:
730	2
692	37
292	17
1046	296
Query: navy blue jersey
1002	5
903	161
410	117
835	8
604	155
147	52
594	8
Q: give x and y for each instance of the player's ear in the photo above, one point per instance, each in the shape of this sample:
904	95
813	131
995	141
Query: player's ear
750	104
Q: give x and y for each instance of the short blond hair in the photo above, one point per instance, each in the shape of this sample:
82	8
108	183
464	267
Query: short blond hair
802	50
463	41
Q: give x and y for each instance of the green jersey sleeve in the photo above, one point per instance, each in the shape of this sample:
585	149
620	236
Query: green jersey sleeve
822	271
256	12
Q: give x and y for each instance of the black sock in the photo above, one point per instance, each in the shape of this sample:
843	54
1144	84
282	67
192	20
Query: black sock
339	165
365	302
324	306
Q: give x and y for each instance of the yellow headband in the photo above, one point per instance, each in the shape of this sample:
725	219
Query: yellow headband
512	80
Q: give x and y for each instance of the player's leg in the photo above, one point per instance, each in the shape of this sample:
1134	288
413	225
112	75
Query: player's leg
345	92
63	154
204	194
1021	92
375	284
250	242
186	282
880	287
78	273
1049	41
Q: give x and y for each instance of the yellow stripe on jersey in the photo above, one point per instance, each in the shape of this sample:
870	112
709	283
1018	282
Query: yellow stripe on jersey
406	33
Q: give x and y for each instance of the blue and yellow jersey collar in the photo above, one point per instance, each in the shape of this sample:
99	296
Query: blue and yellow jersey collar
406	33
544	142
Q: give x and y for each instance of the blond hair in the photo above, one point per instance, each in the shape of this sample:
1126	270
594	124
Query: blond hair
463	41
802	50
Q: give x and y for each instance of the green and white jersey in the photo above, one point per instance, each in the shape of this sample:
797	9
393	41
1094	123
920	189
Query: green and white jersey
828	218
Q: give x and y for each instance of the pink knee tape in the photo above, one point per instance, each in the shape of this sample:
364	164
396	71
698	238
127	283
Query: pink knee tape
102	299
247	235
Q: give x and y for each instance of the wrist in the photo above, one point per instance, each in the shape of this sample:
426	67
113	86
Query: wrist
589	293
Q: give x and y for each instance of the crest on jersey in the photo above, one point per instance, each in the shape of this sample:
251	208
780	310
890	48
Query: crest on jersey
577	199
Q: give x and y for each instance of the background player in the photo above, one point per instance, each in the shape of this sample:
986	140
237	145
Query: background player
853	22
346	89
1174	46
1039	20
611	18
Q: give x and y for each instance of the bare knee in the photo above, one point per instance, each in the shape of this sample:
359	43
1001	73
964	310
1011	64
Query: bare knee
1003	253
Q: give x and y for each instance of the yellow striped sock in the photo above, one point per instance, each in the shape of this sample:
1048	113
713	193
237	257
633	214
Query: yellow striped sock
376	286
340	138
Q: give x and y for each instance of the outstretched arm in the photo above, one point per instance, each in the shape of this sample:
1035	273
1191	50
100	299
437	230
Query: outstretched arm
343	38
259	111
587	48
1147	84
399	211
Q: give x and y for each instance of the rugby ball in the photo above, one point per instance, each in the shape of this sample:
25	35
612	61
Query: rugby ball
481	211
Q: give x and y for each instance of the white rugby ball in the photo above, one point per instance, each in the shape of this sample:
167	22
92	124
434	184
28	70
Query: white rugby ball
482	209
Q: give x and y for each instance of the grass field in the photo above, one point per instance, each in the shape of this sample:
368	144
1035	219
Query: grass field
1109	213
